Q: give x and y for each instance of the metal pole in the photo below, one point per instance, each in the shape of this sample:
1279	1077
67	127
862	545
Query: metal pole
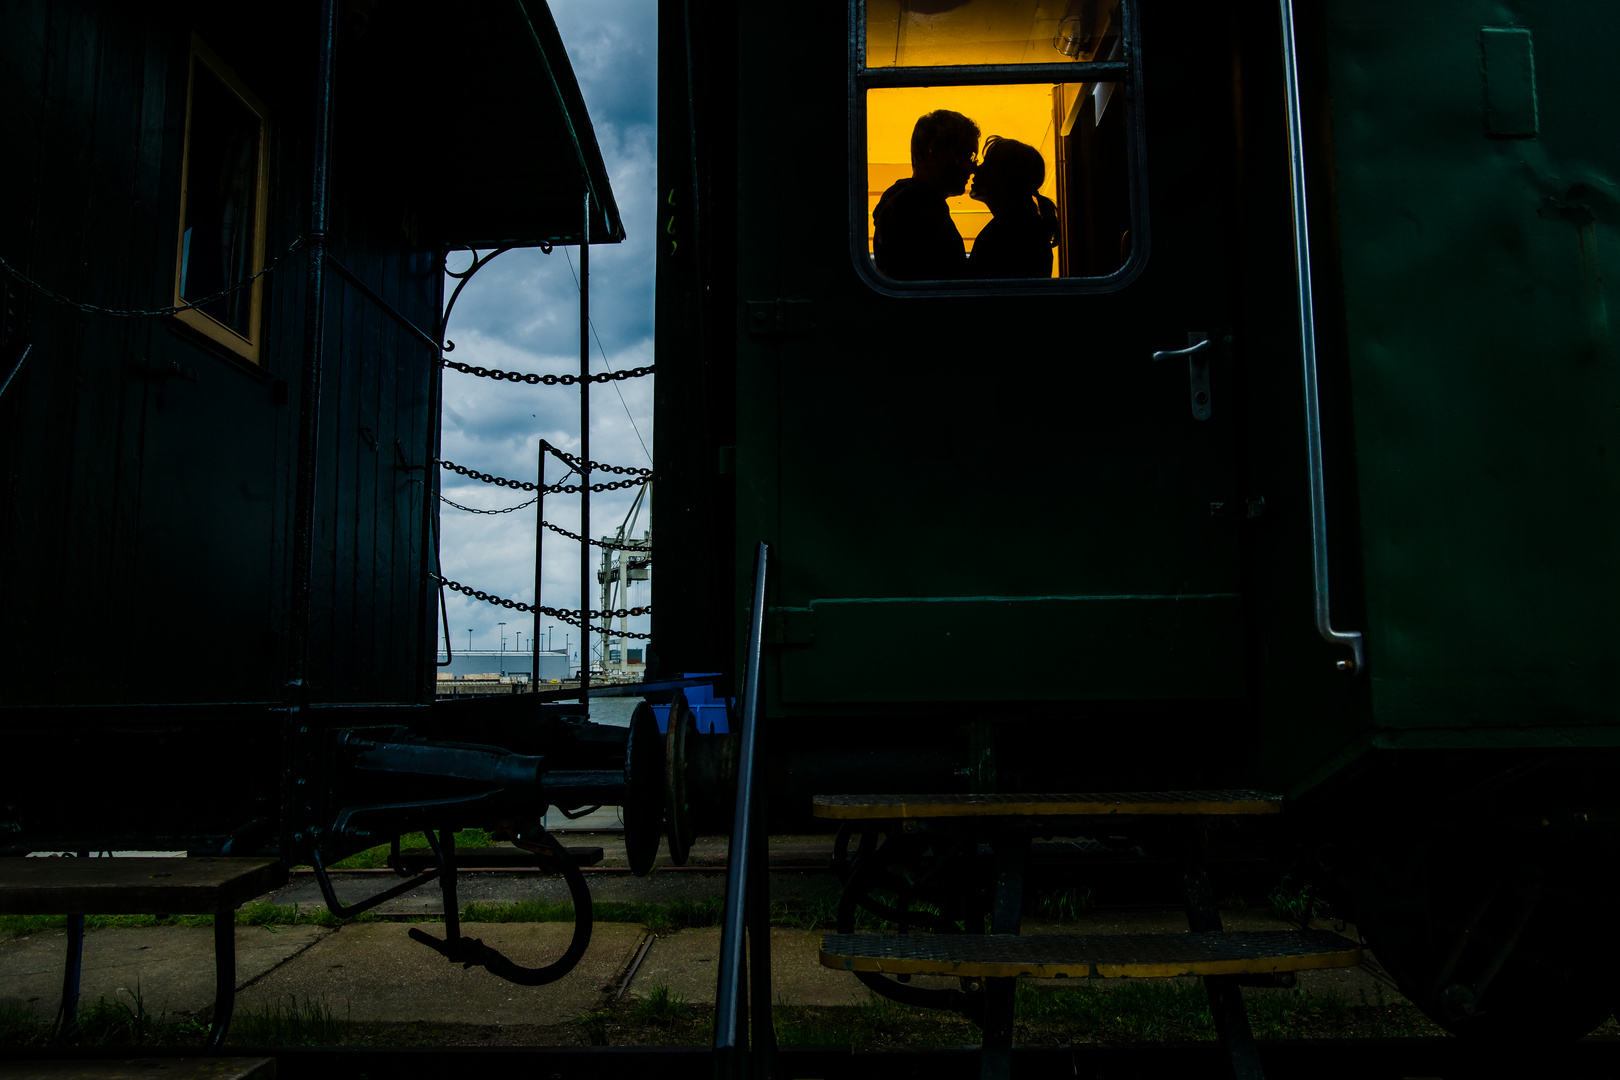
1350	639
539	537
585	451
309	389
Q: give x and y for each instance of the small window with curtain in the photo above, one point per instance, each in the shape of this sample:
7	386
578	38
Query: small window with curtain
996	144
224	196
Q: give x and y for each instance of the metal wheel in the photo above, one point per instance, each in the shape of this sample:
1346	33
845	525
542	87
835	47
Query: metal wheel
644	774
1490	936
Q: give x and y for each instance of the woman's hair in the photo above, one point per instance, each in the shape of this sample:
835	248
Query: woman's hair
1021	170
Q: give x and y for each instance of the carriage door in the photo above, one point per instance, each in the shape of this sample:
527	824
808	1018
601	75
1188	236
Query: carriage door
993	489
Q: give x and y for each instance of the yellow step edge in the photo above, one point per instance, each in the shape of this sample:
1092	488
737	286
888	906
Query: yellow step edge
1348	956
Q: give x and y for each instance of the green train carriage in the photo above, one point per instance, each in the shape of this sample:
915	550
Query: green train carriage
1013	549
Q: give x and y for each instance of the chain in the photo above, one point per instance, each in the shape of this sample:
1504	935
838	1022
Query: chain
567	615
475	510
574	462
549	380
608	544
525	485
97	309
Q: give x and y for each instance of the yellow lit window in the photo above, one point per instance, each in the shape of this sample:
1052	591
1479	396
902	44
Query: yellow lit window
224	197
1047	74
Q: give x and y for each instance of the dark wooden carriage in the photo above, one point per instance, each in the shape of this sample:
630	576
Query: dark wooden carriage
229	547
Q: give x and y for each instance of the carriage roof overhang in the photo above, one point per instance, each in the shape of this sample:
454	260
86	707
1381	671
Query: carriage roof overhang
509	152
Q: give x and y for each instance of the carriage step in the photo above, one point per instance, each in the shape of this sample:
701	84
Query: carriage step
1077	804
1082	956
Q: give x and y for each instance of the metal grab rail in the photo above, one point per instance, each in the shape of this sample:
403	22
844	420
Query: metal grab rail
747	889
1350	639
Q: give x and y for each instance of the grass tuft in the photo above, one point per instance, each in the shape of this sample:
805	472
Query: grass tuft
661	1006
289	1023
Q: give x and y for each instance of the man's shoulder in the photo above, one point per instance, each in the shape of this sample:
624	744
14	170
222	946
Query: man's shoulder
909	196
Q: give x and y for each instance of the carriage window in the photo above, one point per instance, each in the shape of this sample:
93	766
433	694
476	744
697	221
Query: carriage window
223	206
1021	174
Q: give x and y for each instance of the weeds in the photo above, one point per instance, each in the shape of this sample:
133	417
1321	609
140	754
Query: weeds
659	918
1295	903
1067	904
661	1006
290	1023
373	858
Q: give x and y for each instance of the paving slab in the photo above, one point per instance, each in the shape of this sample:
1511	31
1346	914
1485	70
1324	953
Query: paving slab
373	972
687	962
171	966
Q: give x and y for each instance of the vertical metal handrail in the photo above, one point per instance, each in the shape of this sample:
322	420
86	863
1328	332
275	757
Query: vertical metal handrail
309	390
1350	639
585	458
731	1056
539	572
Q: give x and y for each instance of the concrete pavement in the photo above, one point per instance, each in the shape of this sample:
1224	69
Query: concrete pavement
374	972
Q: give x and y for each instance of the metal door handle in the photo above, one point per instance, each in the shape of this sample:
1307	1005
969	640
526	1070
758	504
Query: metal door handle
1198	344
1166	354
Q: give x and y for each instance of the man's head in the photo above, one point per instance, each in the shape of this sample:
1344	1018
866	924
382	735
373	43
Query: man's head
943	145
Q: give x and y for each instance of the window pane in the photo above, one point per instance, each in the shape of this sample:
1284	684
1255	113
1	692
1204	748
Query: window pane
217	241
925	33
1081	178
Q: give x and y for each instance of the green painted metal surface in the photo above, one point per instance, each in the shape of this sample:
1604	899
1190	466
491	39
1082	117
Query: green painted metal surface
1476	165
999	445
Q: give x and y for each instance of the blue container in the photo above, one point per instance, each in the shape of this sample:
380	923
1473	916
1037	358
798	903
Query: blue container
711	713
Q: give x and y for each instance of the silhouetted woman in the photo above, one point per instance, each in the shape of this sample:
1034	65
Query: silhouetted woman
1018	241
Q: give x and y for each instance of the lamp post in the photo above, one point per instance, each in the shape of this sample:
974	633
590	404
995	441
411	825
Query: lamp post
469	639
503	636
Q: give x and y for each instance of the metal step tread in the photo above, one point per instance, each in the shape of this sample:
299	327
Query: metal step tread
1096	956
1069	804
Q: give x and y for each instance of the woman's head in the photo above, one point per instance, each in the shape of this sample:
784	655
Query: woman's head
1008	169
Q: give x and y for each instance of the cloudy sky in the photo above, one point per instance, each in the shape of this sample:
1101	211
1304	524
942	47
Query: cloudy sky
521	313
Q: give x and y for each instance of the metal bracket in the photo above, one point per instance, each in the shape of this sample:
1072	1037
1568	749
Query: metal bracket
1197	354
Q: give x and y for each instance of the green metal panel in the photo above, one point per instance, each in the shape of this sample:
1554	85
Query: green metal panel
1022	447
1119	647
1475	161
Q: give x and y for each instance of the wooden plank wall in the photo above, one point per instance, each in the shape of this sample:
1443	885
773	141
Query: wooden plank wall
145	521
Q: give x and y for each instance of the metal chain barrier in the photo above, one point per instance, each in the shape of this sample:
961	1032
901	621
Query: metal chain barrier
573	462
120	313
475	510
608	544
547	380
567	615
525	485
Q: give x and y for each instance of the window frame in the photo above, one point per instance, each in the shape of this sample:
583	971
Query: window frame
249	348
1127	71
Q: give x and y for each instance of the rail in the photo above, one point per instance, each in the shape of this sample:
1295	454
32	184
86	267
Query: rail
1350	639
748	905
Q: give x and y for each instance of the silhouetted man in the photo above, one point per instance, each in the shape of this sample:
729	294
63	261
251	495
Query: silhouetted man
913	237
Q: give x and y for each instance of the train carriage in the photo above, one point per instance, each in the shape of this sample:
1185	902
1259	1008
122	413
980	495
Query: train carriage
1326	293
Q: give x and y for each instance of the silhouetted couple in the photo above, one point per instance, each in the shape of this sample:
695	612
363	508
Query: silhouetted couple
913	237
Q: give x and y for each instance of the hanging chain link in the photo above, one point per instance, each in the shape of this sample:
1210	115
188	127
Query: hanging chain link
573	461
172	309
475	510
640	545
525	485
567	615
548	380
